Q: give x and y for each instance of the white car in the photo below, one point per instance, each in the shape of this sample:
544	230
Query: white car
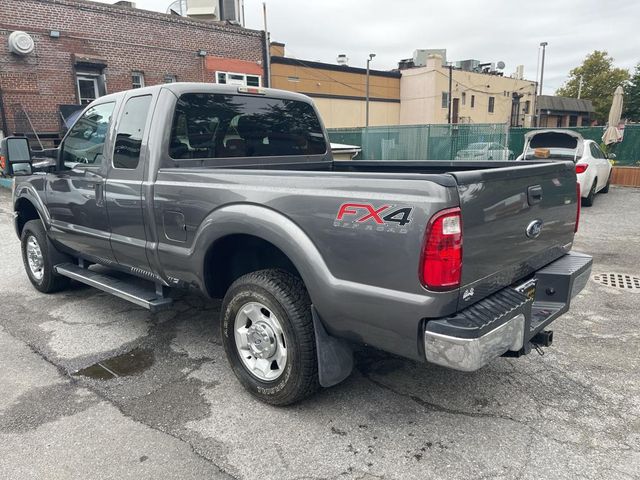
593	168
484	151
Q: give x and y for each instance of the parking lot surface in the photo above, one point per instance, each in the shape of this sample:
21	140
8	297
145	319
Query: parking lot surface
177	411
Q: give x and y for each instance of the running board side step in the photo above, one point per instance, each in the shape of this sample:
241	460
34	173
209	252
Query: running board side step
150	298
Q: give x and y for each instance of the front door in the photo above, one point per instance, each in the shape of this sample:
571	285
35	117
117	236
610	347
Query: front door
124	194
75	194
455	110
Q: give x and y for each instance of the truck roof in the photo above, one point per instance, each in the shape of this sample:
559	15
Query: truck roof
180	88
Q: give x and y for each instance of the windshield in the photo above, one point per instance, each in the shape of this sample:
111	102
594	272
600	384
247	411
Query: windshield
221	126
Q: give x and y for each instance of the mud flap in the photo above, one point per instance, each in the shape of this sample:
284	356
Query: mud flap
335	357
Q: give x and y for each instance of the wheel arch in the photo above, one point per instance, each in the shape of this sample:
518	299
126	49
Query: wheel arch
267	239
26	211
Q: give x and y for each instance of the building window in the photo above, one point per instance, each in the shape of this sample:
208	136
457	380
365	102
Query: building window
527	106
87	88
240	79
169	78
473	101
253	81
492	104
445	99
464	98
293	79
137	79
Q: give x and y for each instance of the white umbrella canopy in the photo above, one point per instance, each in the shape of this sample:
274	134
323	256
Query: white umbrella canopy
612	134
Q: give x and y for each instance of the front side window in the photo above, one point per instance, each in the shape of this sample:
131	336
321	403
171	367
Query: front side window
126	153
84	143
222	126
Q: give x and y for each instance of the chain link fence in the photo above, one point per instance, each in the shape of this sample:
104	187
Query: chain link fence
443	142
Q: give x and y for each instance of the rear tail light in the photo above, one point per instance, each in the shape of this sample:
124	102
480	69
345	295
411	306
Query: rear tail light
581	167
441	265
578	202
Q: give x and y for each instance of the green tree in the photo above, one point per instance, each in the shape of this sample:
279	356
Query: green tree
632	97
599	80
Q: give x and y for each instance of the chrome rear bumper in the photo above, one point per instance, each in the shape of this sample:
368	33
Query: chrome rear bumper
469	354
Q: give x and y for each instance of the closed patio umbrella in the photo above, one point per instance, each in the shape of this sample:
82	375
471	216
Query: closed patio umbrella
612	134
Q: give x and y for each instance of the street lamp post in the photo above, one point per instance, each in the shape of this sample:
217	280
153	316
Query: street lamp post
539	90
544	47
371	56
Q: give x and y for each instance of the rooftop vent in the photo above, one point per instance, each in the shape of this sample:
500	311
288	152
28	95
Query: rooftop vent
342	59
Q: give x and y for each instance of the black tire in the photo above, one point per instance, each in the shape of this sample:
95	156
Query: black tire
606	187
286	296
588	200
49	282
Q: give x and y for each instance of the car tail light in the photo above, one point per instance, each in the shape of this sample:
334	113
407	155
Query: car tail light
578	202
441	265
581	167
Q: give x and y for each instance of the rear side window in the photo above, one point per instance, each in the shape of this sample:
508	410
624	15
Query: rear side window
221	126
126	153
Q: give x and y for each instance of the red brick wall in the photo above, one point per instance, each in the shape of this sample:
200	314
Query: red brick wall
128	39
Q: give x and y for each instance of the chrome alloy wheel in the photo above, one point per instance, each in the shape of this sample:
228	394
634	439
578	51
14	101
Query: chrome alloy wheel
260	341
35	258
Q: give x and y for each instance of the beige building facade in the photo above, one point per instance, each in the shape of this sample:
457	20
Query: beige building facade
476	97
339	91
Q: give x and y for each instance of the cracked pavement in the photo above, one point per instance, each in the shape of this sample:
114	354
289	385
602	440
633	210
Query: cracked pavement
572	413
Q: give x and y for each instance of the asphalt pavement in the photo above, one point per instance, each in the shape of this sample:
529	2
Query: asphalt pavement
163	402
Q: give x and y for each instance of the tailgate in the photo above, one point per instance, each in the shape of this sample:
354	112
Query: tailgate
515	221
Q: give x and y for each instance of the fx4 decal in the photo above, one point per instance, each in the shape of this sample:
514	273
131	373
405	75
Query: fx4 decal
385	218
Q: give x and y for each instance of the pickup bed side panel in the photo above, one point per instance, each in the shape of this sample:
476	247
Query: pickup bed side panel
362	276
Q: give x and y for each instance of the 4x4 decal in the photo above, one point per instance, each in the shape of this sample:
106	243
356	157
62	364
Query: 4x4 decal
385	218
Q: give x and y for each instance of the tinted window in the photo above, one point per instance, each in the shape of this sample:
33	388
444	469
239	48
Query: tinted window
220	126
85	142
126	153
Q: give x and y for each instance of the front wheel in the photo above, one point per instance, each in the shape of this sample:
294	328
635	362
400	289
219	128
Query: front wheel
588	201
39	257
267	333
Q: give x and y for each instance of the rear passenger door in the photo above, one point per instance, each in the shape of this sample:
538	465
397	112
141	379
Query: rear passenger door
124	182
601	165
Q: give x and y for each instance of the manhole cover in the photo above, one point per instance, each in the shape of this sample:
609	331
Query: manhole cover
619	280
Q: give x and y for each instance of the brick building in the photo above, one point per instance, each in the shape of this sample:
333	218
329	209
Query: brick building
83	49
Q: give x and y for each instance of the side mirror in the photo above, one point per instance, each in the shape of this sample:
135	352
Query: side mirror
15	156
612	156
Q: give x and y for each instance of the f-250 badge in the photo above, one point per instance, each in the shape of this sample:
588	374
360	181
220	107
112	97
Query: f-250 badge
384	218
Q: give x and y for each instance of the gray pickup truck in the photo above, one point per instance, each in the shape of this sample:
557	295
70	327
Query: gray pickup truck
233	191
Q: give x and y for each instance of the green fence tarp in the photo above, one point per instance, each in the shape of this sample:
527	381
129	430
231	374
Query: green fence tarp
442	142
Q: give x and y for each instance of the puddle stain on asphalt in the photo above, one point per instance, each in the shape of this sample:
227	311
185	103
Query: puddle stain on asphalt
133	362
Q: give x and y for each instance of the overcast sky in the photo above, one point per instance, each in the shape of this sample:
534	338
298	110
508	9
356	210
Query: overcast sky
487	30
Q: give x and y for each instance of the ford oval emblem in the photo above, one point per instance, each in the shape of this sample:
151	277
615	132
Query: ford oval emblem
534	229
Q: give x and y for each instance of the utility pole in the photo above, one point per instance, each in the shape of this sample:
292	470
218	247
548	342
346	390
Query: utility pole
580	87
267	46
366	120
449	96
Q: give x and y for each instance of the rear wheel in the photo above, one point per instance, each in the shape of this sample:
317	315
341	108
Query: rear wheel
606	187
267	333
39	257
588	201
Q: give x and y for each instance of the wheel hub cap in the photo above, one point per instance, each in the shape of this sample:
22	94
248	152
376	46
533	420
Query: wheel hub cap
35	258
260	341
